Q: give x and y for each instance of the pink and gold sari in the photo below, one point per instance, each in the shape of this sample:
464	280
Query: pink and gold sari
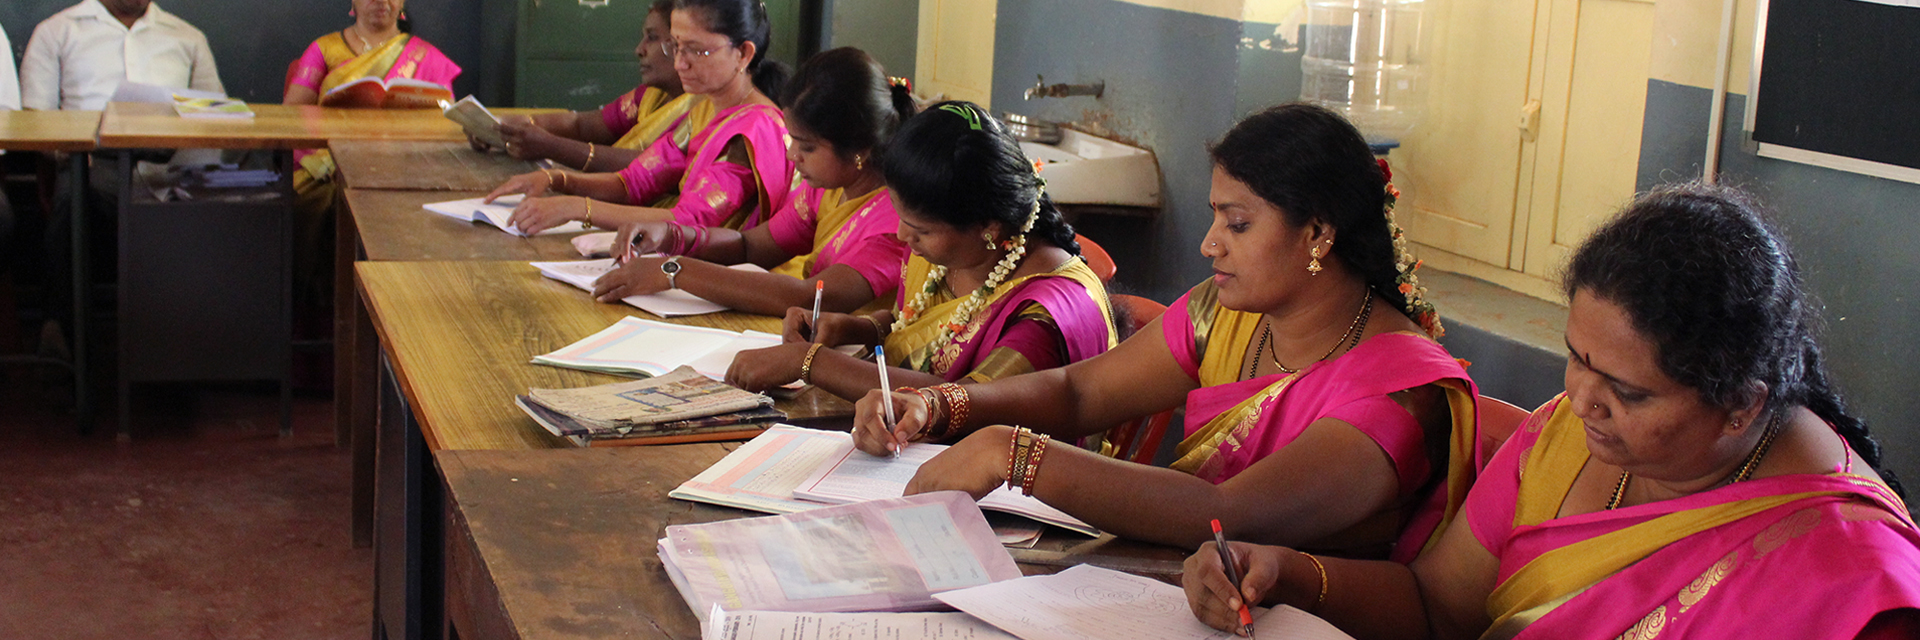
714	189
329	63
1032	322
824	227
642	115
1794	556
1232	424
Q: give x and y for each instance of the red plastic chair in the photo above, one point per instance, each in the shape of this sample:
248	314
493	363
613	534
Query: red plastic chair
1139	439
1498	420
1097	259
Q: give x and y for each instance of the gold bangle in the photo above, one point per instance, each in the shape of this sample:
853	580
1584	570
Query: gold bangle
550	179
587	166
879	332
589	219
1322	570
806	365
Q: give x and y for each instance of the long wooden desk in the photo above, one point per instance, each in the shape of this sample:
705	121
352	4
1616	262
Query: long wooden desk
73	132
425	165
457	337
559	545
129	125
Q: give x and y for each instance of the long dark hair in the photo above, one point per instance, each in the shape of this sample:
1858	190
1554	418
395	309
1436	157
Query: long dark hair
843	96
1714	286
1313	165
744	21
956	164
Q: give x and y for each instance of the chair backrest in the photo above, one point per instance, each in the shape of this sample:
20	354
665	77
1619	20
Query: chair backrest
1498	420
1138	440
1097	258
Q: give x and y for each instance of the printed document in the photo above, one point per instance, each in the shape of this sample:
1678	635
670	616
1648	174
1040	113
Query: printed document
496	213
785	625
1091	602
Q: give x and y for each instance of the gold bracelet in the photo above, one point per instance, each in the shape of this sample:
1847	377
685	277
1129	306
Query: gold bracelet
589	219
1322	570
881	333
587	166
566	183
806	365
550	179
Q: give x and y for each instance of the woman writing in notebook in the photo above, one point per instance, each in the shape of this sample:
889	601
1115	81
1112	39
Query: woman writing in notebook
725	158
1319	410
615	134
995	285
837	228
1700	478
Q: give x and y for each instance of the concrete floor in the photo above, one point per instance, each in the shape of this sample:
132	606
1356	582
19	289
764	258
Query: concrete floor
207	524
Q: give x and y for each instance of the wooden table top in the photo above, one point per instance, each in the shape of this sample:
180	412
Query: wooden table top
129	125
392	226
48	130
558	545
461	336
430	166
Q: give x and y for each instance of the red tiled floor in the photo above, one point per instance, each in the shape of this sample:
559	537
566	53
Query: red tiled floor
206	525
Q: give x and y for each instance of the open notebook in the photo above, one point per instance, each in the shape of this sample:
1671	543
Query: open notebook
666	304
496	213
648	348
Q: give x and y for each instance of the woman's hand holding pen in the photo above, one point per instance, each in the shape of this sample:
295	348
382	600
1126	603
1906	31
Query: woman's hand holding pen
761	369
870	432
639	276
835	329
1211	594
640	238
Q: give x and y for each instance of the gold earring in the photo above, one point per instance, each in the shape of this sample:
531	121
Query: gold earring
859	163
988	236
1313	267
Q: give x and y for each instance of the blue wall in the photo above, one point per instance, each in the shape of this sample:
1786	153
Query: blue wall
1854	235
254	40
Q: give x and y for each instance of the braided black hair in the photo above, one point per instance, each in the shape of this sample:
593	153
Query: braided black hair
1714	286
956	164
1314	165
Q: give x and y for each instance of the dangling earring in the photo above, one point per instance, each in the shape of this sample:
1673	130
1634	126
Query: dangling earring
1313	268
859	163
988	236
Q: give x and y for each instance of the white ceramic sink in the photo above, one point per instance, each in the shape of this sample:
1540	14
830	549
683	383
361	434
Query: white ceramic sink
1086	169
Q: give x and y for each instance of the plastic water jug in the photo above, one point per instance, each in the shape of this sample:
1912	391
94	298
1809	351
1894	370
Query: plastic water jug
1367	60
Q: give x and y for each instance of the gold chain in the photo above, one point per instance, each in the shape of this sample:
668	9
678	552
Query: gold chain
1746	468
1349	339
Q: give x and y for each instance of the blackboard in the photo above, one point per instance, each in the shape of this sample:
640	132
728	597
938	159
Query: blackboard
1840	77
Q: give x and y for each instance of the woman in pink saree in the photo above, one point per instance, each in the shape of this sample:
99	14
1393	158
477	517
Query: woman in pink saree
721	164
1699	477
995	285
1372	424
836	230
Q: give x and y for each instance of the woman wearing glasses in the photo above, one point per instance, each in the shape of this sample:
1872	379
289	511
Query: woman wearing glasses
723	164
613	135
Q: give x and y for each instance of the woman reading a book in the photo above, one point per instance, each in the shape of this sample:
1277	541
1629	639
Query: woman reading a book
995	285
1319	410
614	135
1700	478
837	228
377	45
721	164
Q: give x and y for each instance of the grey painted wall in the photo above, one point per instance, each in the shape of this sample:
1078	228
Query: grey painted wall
888	30
1854	236
254	40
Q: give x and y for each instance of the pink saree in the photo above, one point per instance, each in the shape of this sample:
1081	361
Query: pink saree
711	189
823	228
1026	322
1796	556
1232	424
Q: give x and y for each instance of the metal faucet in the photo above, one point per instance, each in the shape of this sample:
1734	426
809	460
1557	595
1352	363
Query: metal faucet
1041	89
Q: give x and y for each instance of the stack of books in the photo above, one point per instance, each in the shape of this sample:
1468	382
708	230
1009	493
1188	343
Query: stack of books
681	406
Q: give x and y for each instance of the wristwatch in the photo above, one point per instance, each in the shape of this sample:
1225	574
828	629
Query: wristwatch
672	268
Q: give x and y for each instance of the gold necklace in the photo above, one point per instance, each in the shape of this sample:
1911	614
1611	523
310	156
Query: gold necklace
1349	339
1746	468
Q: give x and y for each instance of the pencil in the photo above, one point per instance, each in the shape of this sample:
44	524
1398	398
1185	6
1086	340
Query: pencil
886	394
1233	574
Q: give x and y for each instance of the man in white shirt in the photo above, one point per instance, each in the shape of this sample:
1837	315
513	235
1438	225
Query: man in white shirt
9	83
77	57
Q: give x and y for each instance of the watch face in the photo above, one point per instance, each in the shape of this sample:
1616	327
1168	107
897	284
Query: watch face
670	267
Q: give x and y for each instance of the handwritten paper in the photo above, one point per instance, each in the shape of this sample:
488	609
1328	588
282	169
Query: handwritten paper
1091	602
783	625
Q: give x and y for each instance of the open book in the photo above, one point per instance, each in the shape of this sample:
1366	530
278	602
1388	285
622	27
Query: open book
190	107
496	213
885	555
647	348
1091	603
478	122
666	304
398	93
790	469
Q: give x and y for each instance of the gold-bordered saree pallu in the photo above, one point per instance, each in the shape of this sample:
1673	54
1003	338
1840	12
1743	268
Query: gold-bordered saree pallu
1232	424
643	115
714	180
1795	556
1070	298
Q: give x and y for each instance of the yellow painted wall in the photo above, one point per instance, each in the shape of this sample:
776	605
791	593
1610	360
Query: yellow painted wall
1686	38
954	57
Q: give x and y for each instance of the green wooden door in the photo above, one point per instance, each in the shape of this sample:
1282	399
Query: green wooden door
578	54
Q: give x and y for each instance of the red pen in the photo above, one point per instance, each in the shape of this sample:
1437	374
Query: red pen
1233	574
